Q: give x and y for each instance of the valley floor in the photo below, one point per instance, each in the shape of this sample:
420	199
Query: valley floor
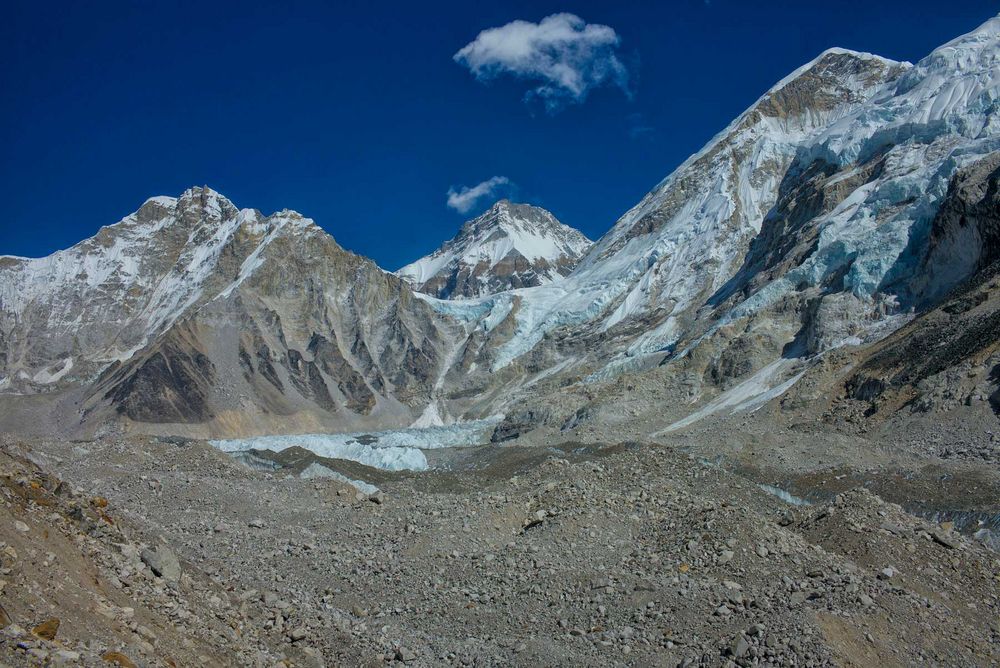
561	554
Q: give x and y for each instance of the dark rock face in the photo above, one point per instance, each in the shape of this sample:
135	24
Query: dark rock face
260	362
360	398
961	331
308	380
170	384
931	345
515	425
866	389
735	361
965	233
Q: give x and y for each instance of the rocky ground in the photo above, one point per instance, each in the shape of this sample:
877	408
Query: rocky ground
141	551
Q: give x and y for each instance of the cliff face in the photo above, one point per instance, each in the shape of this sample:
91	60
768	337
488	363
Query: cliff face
949	354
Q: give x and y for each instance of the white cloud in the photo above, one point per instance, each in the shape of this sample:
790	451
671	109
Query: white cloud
564	54
464	198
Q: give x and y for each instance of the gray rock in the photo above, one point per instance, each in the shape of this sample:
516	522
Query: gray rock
405	655
163	562
739	647
798	598
945	539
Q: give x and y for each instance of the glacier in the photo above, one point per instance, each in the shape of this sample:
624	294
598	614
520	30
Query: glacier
391	450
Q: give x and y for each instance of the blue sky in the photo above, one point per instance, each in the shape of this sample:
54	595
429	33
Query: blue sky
358	114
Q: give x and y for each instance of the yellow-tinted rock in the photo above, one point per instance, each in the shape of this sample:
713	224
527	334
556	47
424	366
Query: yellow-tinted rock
47	629
118	659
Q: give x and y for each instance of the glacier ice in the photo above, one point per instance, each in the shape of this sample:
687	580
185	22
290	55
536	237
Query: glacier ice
317	470
392	450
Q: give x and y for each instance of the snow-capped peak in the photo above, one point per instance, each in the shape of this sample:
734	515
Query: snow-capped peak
832	51
509	246
139	275
161	200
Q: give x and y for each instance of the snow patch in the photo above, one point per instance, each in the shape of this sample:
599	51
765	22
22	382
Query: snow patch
54	373
748	396
785	496
431	417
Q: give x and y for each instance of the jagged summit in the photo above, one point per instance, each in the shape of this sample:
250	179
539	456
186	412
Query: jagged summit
831	54
131	280
192	196
195	204
509	246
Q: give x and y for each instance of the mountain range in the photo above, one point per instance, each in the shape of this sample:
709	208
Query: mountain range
850	211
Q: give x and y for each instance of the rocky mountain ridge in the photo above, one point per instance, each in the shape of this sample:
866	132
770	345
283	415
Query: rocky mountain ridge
191	311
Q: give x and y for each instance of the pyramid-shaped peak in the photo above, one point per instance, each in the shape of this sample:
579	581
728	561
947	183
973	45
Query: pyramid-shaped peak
509	246
505	210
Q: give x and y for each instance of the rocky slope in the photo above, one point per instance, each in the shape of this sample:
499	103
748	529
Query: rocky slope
509	246
600	556
83	587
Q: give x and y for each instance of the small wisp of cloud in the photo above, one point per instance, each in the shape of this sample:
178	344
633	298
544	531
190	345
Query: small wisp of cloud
638	127
465	198
564	55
